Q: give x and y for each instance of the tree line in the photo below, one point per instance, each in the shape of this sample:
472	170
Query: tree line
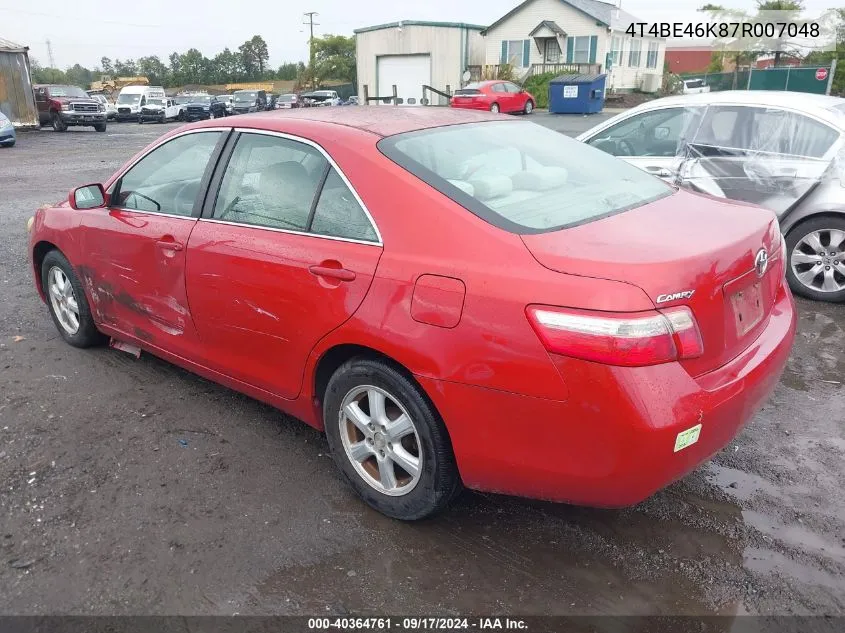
334	58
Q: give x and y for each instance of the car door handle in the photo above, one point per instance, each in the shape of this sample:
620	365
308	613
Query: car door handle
341	274
169	245
660	172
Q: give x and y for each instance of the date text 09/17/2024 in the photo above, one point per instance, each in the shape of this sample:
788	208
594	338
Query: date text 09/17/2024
416	624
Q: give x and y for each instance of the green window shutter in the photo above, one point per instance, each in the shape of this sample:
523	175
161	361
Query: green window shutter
594	43
526	52
570	44
504	58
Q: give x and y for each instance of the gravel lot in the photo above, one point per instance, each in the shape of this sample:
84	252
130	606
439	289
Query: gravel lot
104	511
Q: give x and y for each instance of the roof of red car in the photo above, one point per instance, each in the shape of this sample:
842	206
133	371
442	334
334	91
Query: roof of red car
380	120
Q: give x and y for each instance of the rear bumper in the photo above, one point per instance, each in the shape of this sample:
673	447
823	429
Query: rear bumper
613	444
480	105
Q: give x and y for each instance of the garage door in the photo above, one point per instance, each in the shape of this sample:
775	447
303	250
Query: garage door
408	73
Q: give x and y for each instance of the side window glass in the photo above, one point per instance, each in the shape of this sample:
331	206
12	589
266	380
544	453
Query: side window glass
722	127
498	88
657	133
271	182
782	132
167	180
512	88
338	213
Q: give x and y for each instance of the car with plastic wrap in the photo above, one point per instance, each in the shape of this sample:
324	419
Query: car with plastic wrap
782	150
535	318
68	106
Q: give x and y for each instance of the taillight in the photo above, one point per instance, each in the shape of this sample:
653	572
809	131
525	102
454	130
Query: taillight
627	339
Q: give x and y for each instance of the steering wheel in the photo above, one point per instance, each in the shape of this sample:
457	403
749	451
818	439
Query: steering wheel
624	148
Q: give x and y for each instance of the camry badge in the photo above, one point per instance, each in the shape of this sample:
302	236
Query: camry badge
674	296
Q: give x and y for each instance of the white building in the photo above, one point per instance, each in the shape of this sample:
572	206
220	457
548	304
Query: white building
538	34
412	54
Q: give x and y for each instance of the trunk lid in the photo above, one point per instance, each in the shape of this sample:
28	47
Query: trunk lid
684	243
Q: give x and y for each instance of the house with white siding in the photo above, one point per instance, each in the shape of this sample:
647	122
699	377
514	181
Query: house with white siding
552	35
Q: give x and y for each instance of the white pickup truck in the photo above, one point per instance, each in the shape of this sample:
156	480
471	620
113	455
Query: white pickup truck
161	109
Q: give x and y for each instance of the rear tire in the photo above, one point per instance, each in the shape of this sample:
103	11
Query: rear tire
58	124
494	108
86	333
422	445
799	245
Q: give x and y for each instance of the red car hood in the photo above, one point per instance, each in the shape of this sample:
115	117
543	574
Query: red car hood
684	242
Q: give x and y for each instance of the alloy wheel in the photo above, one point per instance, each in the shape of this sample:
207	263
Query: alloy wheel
380	440
63	300
818	260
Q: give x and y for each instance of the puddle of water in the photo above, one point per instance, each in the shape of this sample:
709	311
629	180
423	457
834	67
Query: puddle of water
766	561
743	485
499	556
794	535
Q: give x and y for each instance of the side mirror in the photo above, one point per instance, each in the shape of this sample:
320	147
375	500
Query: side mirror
87	197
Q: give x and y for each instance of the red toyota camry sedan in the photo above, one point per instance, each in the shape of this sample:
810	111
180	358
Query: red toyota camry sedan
455	298
495	96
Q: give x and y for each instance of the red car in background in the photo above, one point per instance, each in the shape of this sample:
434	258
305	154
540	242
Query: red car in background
536	317
495	96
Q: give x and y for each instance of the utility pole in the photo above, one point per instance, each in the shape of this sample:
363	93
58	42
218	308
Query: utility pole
310	17
50	54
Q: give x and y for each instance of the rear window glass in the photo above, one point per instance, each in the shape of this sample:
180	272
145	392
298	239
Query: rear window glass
468	91
523	177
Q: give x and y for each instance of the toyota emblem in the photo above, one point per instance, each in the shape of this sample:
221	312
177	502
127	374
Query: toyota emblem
761	262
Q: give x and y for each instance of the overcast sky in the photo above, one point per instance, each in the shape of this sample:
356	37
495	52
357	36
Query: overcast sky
83	31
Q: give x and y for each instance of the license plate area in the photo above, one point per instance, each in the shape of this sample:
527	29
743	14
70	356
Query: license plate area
747	305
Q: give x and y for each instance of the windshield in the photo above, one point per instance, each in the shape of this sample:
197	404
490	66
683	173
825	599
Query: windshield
523	177
128	99
287	98
157	102
67	91
245	96
199	99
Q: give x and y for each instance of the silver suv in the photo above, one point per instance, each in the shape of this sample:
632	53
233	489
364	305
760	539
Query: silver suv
781	150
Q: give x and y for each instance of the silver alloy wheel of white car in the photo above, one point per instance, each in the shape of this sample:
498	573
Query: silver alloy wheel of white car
63	300
818	260
380	440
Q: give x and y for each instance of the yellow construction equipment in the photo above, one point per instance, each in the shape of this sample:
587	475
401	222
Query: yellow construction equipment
110	86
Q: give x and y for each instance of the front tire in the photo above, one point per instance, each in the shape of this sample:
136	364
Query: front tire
100	127
529	107
67	303
58	124
494	108
388	441
815	259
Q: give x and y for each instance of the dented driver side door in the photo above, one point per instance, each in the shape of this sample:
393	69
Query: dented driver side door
134	250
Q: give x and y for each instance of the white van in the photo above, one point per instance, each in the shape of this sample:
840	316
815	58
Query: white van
132	98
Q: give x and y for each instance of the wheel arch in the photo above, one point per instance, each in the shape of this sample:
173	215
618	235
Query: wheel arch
332	358
39	252
800	216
